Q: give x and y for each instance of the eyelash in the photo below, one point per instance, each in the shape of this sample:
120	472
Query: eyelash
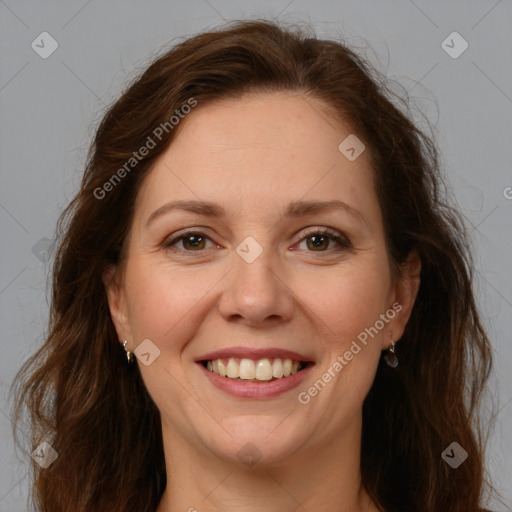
342	241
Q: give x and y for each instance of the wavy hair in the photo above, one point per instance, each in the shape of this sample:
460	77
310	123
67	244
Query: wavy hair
78	392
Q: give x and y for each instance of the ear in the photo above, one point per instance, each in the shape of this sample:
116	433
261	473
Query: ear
116	297
406	289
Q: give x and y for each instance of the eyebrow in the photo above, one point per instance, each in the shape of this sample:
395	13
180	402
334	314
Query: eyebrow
295	209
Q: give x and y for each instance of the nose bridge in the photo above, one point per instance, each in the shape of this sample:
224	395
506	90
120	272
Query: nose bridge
254	291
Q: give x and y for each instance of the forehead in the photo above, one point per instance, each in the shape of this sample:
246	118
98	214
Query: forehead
258	150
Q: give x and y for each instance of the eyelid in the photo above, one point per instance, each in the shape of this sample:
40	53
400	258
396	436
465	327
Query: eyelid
320	229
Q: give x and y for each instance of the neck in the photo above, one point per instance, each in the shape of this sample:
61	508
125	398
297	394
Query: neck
320	478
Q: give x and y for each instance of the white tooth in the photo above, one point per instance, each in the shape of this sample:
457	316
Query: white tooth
247	369
287	367
222	368
232	369
277	368
263	370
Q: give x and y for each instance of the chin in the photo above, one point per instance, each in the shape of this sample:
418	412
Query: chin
260	441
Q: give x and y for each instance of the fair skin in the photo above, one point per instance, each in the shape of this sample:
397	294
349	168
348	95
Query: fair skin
253	156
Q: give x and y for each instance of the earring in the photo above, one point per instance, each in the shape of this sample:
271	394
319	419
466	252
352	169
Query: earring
390	356
129	355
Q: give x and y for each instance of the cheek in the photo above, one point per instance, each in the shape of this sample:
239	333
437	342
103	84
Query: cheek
347	299
347	303
162	299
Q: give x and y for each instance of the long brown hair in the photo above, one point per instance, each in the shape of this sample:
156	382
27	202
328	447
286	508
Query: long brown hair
94	409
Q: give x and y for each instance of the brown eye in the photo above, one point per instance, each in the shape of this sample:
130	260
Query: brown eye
191	242
319	241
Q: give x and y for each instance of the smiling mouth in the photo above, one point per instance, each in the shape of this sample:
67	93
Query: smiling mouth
251	370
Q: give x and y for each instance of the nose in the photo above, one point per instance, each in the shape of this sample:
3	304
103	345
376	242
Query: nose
256	294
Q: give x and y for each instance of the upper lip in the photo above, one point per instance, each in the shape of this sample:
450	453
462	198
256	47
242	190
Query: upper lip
254	353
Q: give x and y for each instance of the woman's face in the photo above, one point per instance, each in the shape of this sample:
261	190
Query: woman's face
252	278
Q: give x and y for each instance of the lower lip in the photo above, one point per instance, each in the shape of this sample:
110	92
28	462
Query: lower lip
256	390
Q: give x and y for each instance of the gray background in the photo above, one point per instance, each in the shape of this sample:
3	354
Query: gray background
50	107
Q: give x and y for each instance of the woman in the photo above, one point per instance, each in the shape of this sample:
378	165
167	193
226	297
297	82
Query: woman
261	300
